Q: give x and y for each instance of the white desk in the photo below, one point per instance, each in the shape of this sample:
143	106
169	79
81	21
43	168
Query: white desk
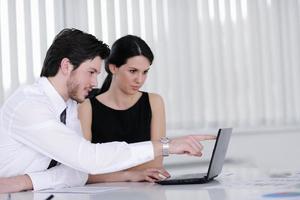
239	180
243	183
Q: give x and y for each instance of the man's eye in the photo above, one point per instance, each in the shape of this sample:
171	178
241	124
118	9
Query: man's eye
132	70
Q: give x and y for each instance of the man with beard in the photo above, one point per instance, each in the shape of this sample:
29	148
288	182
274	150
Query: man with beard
40	135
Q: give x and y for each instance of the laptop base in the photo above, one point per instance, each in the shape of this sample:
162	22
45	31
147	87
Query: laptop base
184	181
215	164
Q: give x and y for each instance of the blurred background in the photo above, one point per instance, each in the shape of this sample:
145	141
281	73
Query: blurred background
218	63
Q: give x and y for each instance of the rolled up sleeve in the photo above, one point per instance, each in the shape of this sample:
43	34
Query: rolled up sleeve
57	177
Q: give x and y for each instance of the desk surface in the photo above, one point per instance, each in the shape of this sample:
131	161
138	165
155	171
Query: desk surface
240	179
245	183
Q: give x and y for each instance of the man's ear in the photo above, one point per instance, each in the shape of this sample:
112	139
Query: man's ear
65	66
112	68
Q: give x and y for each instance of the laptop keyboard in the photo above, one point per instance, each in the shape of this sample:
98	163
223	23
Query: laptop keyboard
189	176
185	179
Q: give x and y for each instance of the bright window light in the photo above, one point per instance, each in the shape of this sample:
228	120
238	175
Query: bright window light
50	21
233	10
154	20
211	9
244	9
35	29
22	66
130	17
199	12
6	74
117	19
143	19
166	16
222	11
104	20
91	16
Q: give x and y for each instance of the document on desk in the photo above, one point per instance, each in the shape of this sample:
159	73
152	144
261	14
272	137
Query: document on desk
82	190
271	181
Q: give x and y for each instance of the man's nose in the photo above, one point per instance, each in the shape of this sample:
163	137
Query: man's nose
94	81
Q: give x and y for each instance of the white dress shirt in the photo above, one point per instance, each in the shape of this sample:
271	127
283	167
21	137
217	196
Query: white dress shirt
31	134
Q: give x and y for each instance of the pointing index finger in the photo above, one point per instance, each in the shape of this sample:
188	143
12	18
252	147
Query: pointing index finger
204	137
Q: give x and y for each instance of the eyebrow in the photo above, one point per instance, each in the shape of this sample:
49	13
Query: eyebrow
138	69
95	70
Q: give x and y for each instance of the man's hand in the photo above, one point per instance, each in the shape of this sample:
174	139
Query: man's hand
189	144
184	145
15	184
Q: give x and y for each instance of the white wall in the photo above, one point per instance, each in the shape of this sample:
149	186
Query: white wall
217	62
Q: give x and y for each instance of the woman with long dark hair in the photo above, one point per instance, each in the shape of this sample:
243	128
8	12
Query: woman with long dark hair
122	112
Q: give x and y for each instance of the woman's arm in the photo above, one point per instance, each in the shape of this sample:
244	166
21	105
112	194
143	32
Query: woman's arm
150	175
85	117
147	172
158	128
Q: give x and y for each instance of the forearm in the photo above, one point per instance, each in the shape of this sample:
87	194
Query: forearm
157	163
57	177
126	175
27	183
157	148
73	152
120	176
15	184
133	175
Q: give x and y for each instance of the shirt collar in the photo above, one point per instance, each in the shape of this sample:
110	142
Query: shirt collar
56	99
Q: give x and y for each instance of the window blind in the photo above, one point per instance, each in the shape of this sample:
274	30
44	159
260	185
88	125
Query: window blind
217	62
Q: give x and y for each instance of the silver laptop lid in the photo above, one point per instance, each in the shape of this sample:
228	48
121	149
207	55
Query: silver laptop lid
219	153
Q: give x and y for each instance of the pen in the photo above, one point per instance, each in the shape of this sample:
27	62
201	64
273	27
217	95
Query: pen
50	197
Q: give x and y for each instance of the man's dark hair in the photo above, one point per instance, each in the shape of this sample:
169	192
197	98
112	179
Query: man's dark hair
75	45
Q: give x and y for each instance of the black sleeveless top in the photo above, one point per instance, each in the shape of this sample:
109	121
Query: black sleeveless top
130	125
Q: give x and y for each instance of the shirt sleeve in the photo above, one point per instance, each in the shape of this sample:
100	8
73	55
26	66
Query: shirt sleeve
57	177
34	125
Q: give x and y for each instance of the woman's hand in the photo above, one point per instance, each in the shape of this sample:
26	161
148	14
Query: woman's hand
151	175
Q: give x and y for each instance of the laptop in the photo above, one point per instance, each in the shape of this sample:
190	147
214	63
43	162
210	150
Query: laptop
215	165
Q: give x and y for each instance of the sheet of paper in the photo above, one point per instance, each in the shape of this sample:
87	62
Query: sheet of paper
82	190
271	181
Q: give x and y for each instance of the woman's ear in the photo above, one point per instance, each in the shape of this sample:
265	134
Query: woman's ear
65	66
112	68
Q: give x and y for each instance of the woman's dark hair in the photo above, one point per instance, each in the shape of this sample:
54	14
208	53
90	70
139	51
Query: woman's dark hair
124	48
75	45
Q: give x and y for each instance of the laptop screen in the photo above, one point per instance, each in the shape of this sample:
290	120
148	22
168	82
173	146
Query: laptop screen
219	152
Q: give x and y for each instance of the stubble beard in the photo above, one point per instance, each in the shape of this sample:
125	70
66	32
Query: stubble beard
73	90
